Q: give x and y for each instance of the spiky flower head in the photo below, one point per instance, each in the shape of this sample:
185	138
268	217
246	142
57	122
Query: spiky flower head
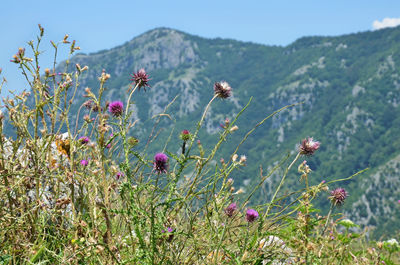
169	233
160	163
185	135
84	140
251	215
338	196
141	79
308	146
118	175
88	104
230	210
222	89
84	162
116	108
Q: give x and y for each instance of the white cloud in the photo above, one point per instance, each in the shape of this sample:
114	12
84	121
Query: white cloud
386	23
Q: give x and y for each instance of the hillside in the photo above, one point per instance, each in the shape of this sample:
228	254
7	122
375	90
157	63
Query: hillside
349	86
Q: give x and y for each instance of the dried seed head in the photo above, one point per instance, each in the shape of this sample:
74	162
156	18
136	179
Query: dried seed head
338	196
222	89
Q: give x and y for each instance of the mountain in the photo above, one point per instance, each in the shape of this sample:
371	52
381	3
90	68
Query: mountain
349	86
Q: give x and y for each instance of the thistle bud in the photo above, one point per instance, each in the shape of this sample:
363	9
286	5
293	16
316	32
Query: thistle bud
41	30
65	39
234	157
243	159
234	128
86	118
47	71
185	135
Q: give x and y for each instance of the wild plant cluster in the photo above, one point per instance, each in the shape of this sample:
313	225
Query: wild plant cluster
82	192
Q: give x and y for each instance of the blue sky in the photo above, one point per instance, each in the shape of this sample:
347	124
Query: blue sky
100	24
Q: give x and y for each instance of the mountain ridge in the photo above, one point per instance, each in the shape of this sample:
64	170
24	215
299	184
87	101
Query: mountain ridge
349	86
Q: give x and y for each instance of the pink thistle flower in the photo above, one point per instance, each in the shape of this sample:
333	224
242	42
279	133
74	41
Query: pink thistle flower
251	215
118	175
230	210
160	163
309	146
222	89
169	234
88	104
185	135
338	196
84	162
116	108
141	78
84	140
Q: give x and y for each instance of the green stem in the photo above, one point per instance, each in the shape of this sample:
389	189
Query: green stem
280	184
327	218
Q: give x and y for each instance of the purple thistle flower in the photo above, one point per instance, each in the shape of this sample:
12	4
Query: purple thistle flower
88	104
309	146
140	78
116	108
222	89
170	234
84	162
338	196
230	210
84	140
160	163
118	175
251	215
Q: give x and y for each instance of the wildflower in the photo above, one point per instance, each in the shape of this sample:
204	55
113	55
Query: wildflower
47	71
116	108
160	163
338	196
243	159
141	78
251	215
118	175
226	123
84	162
222	89
84	140
234	157
347	223
169	233
185	135
234	128
391	245
88	104
309	146
230	210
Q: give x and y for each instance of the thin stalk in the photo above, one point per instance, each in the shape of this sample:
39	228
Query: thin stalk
280	184
327	218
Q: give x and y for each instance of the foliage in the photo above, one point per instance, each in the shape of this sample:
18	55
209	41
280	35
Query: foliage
94	195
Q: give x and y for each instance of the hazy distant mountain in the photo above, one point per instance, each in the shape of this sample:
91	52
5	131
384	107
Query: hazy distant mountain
350	86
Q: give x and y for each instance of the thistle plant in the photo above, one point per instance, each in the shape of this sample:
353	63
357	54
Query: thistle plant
87	191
